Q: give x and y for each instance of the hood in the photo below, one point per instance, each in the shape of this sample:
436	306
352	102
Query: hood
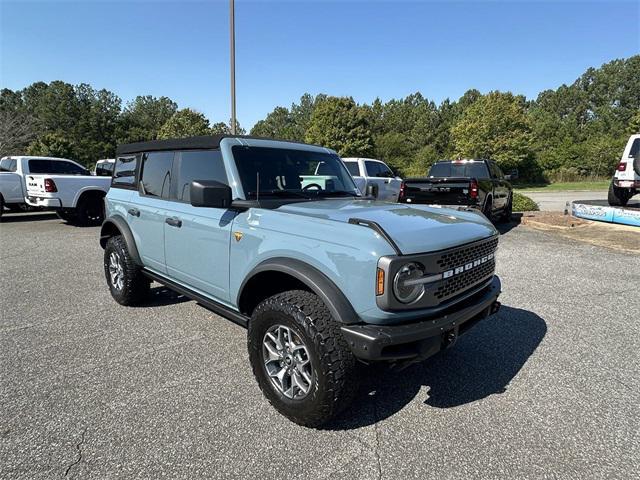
414	228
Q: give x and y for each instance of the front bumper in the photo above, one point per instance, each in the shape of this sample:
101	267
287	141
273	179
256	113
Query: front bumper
418	340
44	202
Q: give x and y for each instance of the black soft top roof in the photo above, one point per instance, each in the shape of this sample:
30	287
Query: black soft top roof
191	143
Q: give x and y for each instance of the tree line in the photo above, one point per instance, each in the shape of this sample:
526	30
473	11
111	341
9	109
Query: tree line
575	131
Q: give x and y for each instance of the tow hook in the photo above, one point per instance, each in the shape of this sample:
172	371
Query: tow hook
495	307
449	338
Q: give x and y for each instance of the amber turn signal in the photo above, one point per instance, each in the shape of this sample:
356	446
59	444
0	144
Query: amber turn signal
380	282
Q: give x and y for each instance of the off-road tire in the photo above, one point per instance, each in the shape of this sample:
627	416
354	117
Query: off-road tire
334	366
135	288
508	211
90	211
617	197
487	209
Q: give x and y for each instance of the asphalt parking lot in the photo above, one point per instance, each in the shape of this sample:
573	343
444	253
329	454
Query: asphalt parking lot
548	388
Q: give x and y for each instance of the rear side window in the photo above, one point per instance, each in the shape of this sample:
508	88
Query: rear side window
195	165
635	148
471	169
156	173
124	174
353	168
40	166
8	165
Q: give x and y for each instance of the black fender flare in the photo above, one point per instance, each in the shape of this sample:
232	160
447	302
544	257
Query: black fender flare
120	224
313	278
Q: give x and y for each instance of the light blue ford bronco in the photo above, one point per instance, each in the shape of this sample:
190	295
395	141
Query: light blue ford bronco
276	237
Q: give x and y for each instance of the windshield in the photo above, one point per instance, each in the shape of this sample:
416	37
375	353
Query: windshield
284	172
467	169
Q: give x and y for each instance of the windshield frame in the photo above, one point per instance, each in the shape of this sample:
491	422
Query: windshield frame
296	194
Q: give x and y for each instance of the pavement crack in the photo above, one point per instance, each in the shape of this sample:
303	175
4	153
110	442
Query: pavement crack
79	459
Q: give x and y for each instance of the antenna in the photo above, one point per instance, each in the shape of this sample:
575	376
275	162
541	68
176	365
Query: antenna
257	186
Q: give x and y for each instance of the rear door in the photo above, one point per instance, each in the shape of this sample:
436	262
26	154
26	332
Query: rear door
197	239
500	190
148	211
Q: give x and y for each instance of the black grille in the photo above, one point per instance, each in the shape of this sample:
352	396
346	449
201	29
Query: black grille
464	255
465	280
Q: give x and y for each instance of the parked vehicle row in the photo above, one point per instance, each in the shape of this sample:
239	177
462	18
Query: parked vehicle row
277	237
53	183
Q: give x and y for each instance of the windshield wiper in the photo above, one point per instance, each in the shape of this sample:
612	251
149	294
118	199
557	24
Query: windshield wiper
282	193
337	193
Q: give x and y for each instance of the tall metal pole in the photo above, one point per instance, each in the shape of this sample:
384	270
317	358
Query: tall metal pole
233	65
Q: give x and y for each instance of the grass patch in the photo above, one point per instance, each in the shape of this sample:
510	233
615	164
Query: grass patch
522	203
564	186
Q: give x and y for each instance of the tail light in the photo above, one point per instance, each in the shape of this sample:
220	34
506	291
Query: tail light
622	166
401	195
473	188
50	186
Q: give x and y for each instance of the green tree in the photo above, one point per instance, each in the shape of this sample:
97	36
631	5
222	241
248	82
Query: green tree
52	145
185	123
495	126
338	123
143	118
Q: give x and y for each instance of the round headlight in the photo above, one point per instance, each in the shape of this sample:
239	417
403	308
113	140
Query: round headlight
405	288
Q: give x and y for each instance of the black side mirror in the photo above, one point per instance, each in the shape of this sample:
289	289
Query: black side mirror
210	193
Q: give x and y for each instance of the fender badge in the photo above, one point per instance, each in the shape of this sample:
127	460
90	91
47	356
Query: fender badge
238	236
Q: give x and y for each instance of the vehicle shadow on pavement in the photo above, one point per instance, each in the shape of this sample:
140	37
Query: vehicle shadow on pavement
161	296
27	217
482	363
506	227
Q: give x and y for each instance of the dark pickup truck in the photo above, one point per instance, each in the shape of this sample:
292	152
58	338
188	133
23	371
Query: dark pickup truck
478	184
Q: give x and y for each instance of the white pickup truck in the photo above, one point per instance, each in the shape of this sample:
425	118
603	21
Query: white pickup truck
57	183
376	176
626	181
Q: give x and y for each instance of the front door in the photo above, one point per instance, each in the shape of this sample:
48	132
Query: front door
197	239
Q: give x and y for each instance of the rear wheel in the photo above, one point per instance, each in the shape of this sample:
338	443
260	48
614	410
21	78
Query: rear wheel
66	215
618	197
90	211
508	211
300	359
487	210
125	279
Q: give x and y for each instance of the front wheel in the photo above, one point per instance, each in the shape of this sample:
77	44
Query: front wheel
300	359
126	282
617	197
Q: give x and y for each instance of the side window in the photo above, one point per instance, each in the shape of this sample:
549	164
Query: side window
499	172
385	171
8	165
40	166
104	169
353	168
373	168
68	168
635	148
124	174
156	173
493	170
195	165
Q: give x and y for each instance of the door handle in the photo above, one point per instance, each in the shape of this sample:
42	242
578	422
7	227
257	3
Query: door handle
174	222
134	211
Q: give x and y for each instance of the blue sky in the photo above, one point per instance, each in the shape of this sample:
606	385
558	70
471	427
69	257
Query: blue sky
365	49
